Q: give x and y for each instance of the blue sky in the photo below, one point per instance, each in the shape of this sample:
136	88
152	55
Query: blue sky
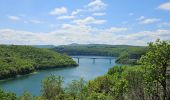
132	22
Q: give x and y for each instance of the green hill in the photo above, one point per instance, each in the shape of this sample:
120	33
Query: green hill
19	60
126	54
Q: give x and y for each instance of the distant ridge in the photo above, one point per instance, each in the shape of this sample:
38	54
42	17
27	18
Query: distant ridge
44	46
76	44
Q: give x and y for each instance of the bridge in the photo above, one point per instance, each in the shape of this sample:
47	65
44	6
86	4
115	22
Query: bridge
93	58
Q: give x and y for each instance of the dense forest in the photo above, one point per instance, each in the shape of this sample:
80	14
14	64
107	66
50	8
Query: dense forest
126	54
148	81
19	60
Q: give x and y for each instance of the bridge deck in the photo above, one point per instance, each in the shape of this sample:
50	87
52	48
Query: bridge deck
94	57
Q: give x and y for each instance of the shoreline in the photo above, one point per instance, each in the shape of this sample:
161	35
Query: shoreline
18	76
36	71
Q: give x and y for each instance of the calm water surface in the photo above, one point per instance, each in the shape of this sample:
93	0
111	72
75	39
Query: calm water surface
32	83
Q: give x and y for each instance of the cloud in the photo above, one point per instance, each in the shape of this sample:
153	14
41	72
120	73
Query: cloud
131	14
75	29
150	21
10	36
35	21
17	18
165	6
58	11
66	17
117	29
89	20
76	12
96	5
14	18
140	18
69	33
144	20
164	24
99	14
144	37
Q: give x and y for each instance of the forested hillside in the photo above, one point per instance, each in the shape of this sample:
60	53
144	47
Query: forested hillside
126	54
18	60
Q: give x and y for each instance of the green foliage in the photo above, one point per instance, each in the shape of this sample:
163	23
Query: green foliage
98	96
52	87
26	96
115	69
131	55
135	78
7	96
155	63
100	85
113	85
75	89
19	60
125	58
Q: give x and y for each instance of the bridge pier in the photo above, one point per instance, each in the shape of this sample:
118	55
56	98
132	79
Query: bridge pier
110	61
93	60
78	60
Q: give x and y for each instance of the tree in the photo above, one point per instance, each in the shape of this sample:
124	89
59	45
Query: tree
52	87
26	96
7	96
75	89
155	62
98	96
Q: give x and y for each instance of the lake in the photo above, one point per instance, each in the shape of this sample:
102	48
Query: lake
86	69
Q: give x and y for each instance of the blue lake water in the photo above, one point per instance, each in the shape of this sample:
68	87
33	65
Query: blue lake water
86	69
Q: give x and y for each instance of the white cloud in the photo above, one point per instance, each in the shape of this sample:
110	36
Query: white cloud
149	21
148	36
82	34
144	20
96	5
140	18
89	20
18	18
131	14
66	17
14	18
165	6
10	36
164	24
75	29
59	11
117	29
76	12
99	14
36	21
